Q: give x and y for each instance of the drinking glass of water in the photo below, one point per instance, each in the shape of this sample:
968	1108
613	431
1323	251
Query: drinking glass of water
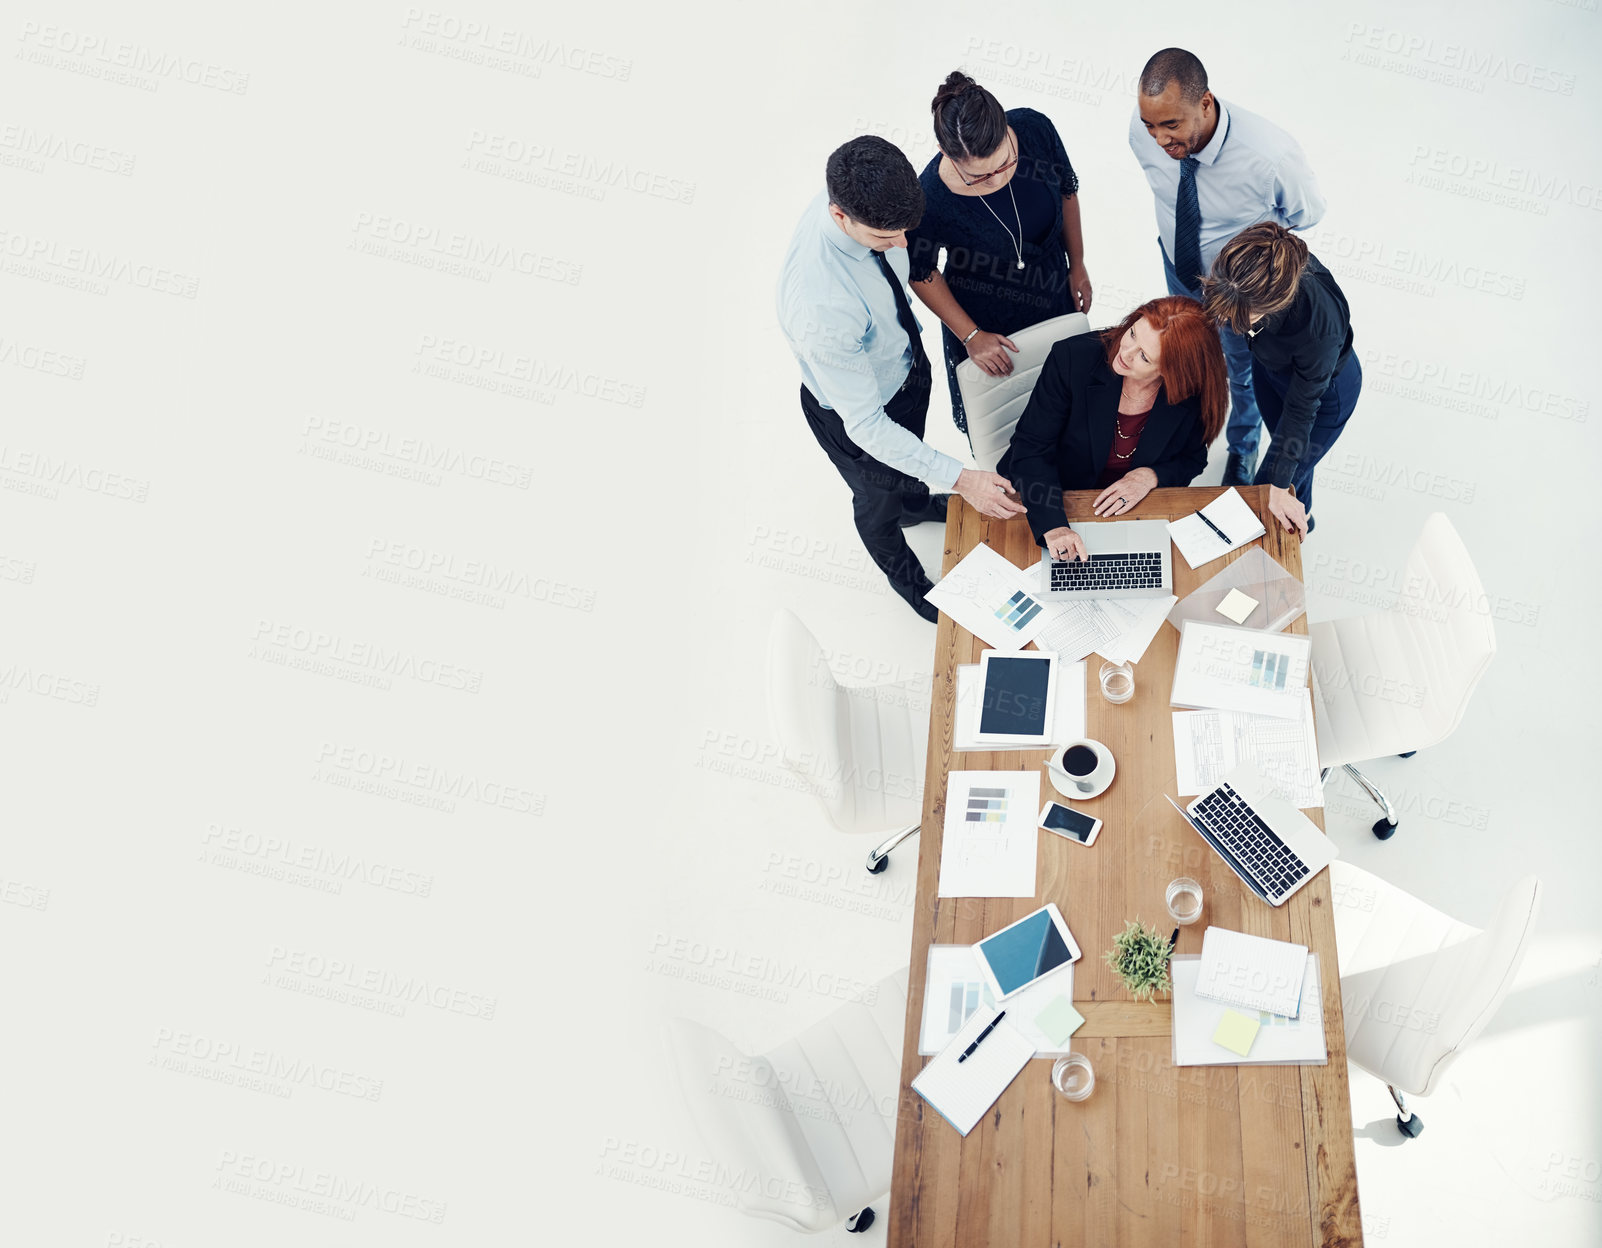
1117	682
1184	899
1073	1077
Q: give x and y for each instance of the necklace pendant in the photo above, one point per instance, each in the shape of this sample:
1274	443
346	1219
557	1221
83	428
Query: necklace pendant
1020	264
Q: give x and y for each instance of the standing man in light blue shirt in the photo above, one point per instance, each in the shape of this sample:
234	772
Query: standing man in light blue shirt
844	309
1214	171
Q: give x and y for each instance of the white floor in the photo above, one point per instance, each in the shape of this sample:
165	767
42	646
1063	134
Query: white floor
180	812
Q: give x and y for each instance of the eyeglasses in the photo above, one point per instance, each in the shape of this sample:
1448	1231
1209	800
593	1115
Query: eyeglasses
985	177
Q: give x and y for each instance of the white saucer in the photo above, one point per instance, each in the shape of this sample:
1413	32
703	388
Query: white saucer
1073	794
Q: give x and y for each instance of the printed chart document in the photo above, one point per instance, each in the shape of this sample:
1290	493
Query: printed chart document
953	988
1230	515
1221	667
1208	744
1252	972
989	843
1068	710
1280	1041
962	1091
992	599
1121	627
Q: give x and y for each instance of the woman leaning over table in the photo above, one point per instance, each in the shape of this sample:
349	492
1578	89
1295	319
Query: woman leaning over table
1002	200
1266	285
1123	411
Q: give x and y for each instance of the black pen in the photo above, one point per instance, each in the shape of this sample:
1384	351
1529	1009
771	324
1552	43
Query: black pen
1214	527
965	1053
1173	940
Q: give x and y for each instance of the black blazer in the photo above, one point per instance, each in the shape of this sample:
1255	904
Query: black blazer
1065	433
1307	344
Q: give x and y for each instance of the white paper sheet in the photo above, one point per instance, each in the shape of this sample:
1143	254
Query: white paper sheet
1104	626
1285	1041
1143	617
1208	744
1221	667
990	841
963	1091
993	599
1068	709
1078	627
1199	544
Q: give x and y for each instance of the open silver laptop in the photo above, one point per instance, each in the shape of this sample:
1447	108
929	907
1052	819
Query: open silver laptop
1265	840
1128	559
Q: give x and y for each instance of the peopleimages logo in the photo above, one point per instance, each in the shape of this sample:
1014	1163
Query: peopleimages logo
304	1182
411	989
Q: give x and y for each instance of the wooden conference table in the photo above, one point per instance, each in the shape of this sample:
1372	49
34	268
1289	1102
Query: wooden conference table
1158	1155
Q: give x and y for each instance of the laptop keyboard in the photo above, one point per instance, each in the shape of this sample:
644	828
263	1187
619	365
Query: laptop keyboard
1139	569
1253	843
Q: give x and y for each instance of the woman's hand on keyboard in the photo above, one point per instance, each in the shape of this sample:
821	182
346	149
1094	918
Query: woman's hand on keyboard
1064	543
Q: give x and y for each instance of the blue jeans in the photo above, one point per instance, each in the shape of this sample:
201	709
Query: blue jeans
1333	410
1243	431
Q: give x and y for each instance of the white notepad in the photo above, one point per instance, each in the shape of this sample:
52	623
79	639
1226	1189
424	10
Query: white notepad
1252	972
1229	512
1280	1041
961	1092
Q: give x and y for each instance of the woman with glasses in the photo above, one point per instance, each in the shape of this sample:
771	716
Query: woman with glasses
1002	200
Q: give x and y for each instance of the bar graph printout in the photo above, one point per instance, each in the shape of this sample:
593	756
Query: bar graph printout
989	840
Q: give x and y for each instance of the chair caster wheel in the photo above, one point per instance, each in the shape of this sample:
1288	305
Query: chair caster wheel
1412	1126
1384	830
875	867
859	1222
1409	754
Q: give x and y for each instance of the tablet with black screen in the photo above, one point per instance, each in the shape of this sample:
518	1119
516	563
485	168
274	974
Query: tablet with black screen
1016	696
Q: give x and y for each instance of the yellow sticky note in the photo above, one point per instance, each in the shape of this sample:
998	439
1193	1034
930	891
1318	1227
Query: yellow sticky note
1236	606
1236	1031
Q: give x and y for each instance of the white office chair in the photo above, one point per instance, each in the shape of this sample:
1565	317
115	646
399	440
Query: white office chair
811	1125
1416	985
994	404
1397	681
860	751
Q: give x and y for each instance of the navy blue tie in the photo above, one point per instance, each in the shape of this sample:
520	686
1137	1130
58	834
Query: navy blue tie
903	309
1187	226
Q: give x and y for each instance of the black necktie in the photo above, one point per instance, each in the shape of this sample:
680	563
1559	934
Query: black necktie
903	309
1187	226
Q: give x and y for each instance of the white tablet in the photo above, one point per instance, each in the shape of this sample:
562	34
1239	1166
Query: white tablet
1017	692
1022	952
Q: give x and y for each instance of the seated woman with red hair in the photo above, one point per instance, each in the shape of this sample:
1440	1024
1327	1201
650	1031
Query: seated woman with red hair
1123	411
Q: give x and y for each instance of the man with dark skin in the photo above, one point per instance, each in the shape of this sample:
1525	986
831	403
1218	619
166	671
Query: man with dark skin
1215	169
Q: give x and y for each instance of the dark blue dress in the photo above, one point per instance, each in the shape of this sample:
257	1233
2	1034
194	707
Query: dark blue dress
981	258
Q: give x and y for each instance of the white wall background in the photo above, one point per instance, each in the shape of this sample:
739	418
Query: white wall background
234	306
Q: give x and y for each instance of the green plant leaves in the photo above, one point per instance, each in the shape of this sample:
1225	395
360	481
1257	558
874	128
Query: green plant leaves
1139	957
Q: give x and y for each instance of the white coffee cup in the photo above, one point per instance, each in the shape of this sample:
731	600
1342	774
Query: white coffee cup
1074	774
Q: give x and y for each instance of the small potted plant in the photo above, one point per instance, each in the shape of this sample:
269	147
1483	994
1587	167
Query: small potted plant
1139	957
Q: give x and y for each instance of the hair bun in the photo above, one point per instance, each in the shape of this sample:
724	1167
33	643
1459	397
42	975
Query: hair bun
956	84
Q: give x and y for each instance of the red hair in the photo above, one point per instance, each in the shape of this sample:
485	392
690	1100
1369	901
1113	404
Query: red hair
1190	360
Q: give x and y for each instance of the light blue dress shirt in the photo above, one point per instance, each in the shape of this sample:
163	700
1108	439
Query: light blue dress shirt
839	316
1251	171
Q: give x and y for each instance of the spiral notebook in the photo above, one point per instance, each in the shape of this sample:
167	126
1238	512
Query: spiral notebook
961	1092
